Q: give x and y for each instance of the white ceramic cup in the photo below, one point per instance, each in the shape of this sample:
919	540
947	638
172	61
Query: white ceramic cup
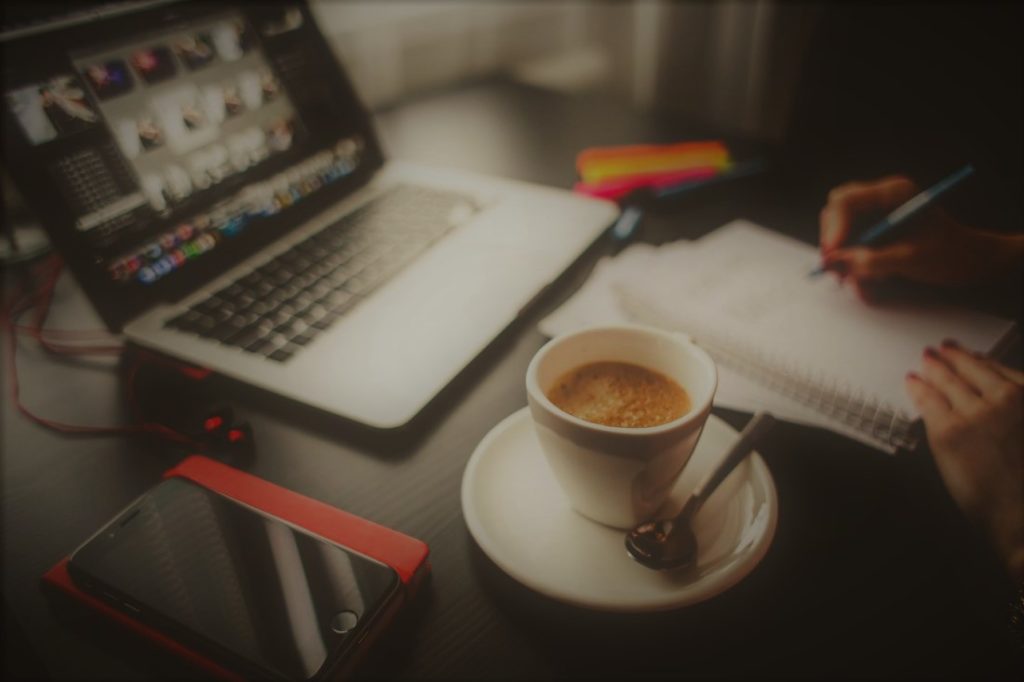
619	476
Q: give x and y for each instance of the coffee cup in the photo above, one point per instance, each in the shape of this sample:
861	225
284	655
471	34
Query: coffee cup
619	475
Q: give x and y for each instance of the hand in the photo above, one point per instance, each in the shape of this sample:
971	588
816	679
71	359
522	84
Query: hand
972	410
942	251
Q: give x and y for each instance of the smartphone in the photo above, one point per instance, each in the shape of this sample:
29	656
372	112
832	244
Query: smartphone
248	590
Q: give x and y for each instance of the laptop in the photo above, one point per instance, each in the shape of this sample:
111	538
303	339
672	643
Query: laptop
216	187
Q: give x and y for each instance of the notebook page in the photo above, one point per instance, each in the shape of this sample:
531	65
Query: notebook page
594	302
749	284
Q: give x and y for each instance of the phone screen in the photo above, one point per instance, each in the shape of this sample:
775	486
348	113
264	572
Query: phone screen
248	583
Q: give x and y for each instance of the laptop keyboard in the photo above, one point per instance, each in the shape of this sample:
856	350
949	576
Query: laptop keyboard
280	307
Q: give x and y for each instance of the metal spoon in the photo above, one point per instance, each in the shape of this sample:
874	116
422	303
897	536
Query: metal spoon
670	543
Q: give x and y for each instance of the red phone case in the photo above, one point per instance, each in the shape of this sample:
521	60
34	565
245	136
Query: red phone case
408	556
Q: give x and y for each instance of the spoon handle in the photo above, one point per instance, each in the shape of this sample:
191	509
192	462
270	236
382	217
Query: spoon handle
755	429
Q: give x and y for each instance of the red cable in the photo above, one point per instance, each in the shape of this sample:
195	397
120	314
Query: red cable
40	300
44	300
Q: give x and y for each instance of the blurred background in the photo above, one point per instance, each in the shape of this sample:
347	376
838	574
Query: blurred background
738	67
867	87
733	63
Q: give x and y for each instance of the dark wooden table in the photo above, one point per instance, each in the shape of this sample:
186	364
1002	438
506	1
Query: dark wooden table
872	571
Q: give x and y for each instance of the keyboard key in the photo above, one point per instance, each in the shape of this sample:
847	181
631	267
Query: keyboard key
231	291
261	307
282	276
269	268
250	337
297	327
221	332
281	316
295	261
301	300
337	297
243	301
305	337
275	341
338	277
342	307
192	321
312	313
282	354
223	313
250	281
208	305
358	285
319	290
303	280
326	321
321	269
263	288
285	292
262	346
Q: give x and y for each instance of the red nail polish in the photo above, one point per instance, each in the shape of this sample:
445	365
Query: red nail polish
930	352
913	375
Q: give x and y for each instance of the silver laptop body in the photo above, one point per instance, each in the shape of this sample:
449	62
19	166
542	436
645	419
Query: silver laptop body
381	361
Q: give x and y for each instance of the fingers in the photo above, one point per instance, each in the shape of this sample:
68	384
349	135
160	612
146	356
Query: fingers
980	373
962	396
1009	374
963	383
868	263
853	199
930	402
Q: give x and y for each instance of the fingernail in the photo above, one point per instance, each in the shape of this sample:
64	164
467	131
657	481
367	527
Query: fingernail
930	352
912	376
950	343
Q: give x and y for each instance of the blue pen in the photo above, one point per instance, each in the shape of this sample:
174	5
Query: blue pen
629	221
895	221
738	170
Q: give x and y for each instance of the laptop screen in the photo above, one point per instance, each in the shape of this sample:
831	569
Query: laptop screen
160	146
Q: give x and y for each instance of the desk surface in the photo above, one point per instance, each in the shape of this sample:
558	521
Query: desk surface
872	570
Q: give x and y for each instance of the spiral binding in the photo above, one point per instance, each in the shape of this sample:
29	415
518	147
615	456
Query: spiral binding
815	391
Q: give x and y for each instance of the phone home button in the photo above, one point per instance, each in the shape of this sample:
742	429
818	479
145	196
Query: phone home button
344	622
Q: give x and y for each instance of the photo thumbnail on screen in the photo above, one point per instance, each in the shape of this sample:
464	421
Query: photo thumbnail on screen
196	51
109	79
53	108
154	64
139	135
232	39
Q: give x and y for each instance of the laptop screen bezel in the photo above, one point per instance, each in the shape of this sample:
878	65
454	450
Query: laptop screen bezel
117	303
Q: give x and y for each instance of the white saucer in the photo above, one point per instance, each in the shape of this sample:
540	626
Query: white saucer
522	520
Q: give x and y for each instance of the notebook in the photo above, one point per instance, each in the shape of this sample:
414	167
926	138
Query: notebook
215	185
804	348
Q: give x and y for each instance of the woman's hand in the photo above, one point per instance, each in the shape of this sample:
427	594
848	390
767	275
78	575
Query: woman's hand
972	410
940	251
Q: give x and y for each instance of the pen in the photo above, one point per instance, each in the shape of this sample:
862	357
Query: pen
738	170
629	221
896	221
